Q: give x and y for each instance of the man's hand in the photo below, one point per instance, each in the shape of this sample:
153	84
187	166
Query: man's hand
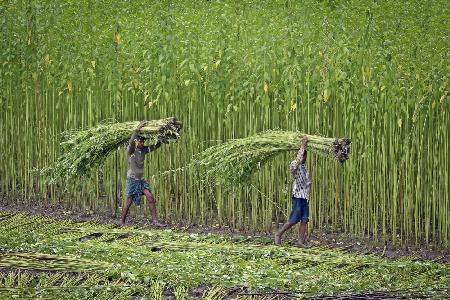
163	139
304	141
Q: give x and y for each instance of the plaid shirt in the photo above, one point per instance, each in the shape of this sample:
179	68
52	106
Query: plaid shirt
300	174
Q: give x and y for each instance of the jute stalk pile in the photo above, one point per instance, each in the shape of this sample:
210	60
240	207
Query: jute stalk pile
83	150
233	162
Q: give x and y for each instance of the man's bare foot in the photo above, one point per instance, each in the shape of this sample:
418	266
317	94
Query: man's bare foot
302	244
158	224
277	239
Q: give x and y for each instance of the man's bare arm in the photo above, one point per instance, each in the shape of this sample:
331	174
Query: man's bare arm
158	144
300	158
154	147
134	136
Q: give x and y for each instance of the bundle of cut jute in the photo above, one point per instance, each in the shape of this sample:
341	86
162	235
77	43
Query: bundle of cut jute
83	150
233	162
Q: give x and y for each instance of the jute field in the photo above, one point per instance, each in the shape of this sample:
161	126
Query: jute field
229	87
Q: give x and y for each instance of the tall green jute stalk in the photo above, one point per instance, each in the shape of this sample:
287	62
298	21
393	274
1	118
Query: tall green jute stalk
234	162
227	82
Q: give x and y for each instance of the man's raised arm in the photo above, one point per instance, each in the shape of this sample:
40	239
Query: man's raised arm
158	144
300	158
131	143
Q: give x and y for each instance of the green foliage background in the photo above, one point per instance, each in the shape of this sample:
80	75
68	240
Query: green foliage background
373	71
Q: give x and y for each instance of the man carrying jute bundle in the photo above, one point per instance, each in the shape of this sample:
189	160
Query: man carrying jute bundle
300	195
136	186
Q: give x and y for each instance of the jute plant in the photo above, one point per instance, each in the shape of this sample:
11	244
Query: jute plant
234	162
83	150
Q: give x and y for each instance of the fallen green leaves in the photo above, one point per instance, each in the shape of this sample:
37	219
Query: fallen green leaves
187	261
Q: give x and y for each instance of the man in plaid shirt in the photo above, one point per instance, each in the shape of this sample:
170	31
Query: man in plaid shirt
300	195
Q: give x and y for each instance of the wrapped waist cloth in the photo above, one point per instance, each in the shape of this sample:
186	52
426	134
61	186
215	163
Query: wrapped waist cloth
135	189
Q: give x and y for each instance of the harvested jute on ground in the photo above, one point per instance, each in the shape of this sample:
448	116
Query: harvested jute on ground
83	150
233	162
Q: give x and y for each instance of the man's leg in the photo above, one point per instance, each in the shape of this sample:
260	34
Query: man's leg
303	230
294	218
303	234
152	207
125	210
279	234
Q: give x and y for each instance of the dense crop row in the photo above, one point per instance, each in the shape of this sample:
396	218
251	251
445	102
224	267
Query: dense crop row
373	71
